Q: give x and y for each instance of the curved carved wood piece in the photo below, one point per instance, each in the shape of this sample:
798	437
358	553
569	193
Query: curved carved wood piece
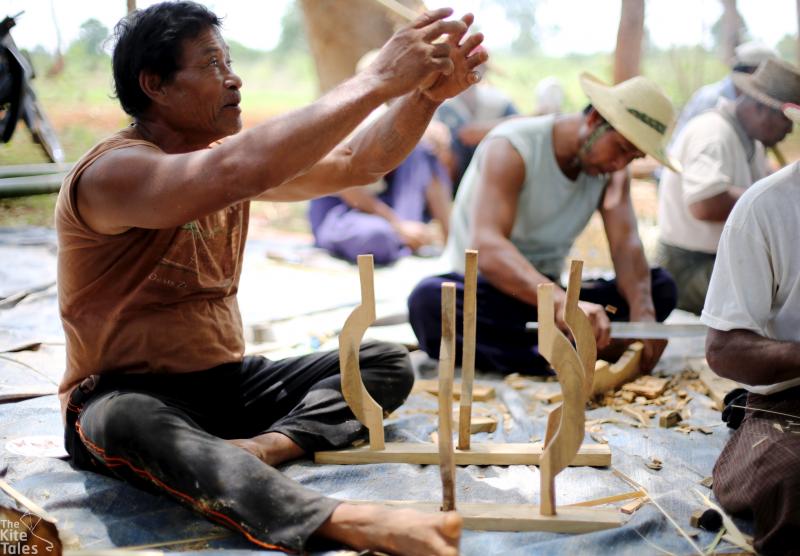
581	328
586	346
447	363
364	407
468	347
567	439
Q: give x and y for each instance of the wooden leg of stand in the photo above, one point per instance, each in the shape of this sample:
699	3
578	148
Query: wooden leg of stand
447	357
468	348
364	407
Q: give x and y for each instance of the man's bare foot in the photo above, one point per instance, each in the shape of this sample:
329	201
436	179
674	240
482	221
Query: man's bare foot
273	448
406	532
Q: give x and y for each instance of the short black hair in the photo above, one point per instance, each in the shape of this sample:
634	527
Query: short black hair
151	40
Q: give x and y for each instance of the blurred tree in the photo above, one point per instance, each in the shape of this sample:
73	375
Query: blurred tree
729	31
58	64
293	32
523	13
787	48
88	50
628	53
92	36
340	32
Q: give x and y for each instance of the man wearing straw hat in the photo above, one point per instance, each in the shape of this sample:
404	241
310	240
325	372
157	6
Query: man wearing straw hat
753	311
746	59
530	190
722	153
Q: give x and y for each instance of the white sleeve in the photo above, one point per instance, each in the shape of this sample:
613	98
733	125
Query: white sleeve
706	168
740	293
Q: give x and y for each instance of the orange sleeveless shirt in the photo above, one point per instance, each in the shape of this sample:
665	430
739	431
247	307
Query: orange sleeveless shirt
147	301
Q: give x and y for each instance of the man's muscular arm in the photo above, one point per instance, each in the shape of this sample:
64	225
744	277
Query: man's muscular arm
493	213
381	147
746	357
142	187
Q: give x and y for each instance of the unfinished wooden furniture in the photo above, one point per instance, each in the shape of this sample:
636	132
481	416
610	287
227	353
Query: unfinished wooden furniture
561	444
596	455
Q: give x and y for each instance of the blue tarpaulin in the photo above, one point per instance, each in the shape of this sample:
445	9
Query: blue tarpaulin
104	513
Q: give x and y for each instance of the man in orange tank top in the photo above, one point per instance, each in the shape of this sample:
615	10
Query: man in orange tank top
152	224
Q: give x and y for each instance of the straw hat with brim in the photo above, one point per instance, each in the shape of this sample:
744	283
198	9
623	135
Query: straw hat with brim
638	110
774	83
792	112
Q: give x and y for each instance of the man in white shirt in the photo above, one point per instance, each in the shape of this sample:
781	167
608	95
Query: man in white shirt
747	57
722	153
753	311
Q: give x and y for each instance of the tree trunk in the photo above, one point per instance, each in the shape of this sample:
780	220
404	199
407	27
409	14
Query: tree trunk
798	32
341	31
628	54
731	29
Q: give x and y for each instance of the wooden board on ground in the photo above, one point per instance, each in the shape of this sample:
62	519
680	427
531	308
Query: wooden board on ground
13	393
480	392
648	386
594	455
718	387
520	517
476	424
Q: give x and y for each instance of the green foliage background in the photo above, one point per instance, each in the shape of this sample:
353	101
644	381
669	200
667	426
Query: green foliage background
80	99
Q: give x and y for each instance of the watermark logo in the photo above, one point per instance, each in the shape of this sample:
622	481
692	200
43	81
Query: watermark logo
18	536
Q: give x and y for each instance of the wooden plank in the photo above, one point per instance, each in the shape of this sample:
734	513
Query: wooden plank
631	507
610	377
16	170
30	185
718	387
480	392
648	386
476	424
668	419
447	363
608	499
468	347
13	393
519	517
364	407
594	455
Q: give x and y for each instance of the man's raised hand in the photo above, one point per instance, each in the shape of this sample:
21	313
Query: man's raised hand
412	55
465	56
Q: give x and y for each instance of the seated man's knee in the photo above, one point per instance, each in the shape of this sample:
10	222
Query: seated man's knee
383	243
387	371
122	418
425	299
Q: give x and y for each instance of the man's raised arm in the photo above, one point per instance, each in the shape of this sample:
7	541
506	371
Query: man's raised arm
142	187
381	147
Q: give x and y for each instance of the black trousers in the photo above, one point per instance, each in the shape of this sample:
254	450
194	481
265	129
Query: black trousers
502	343
167	432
